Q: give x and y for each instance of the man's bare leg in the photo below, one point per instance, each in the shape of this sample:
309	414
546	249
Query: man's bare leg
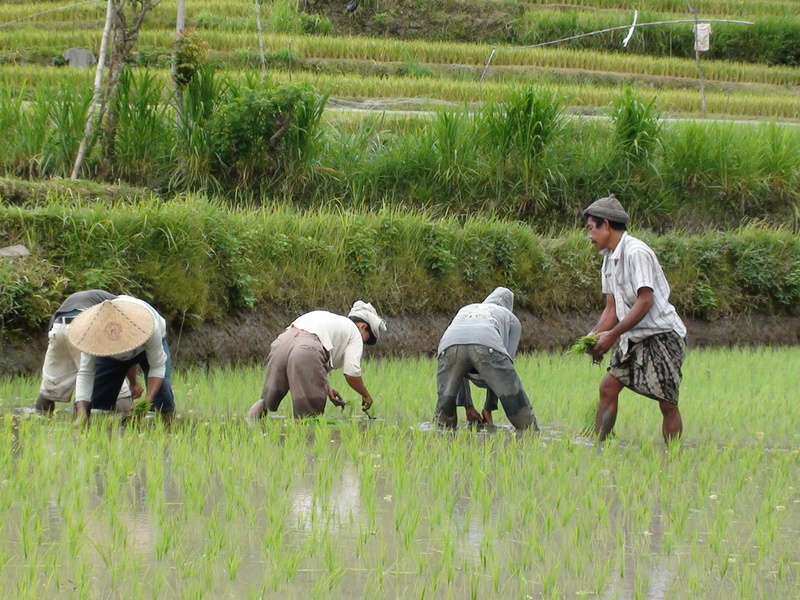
606	416
672	425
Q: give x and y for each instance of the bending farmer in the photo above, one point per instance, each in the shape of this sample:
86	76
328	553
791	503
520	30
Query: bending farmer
639	316
479	346
316	343
115	337
61	360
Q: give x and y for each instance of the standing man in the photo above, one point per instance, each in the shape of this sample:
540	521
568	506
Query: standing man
315	344
115	337
61	360
479	346
638	315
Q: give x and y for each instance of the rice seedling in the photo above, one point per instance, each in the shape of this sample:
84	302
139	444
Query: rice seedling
387	509
584	344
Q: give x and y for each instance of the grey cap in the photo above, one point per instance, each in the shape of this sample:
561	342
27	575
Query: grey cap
607	208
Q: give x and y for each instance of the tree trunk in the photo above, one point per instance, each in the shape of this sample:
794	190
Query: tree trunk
261	43
180	26
124	39
98	79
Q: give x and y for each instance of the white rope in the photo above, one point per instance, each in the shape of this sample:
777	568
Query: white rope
583	35
49	11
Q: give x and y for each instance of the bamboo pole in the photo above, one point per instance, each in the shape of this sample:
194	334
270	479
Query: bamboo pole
98	80
261	43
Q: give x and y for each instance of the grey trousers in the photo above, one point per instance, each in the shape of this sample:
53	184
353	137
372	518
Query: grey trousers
297	363
494	368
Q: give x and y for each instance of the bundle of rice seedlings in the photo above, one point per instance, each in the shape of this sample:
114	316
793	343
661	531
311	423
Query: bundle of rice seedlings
141	407
584	344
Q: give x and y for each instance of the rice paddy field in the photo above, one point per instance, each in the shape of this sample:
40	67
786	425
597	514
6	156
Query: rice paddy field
348	507
390	507
361	59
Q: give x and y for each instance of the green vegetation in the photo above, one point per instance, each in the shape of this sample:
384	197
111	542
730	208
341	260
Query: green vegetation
583	344
345	507
518	156
196	260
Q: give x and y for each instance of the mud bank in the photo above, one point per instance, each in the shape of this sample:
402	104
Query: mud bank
245	338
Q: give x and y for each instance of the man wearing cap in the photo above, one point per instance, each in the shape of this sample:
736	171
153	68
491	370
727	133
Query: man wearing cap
61	359
314	344
639	317
115	337
479	346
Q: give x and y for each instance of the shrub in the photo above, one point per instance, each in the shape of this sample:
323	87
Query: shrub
264	135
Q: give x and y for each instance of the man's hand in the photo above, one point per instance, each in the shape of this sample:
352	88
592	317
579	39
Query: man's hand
366	402
605	341
335	397
473	416
136	390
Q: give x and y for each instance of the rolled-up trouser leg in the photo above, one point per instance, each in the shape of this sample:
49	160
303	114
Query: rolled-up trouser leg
453	364
308	377
497	370
276	382
60	366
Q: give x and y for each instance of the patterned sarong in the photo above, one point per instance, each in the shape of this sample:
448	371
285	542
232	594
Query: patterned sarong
652	367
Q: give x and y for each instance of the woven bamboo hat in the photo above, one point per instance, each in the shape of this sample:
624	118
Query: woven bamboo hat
111	327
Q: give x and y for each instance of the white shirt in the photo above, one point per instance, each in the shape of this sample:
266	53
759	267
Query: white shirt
631	266
339	336
153	346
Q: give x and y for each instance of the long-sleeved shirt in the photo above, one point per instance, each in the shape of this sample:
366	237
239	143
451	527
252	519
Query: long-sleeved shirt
489	323
152	346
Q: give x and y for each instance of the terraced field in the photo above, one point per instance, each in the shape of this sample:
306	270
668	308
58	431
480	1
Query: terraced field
388	72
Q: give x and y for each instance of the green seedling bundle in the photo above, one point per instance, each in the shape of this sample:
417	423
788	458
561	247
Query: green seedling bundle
343	506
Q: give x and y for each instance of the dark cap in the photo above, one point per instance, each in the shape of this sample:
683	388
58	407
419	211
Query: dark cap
607	208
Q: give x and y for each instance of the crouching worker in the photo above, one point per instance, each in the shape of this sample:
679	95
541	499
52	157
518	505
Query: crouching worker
479	346
115	337
62	359
316	343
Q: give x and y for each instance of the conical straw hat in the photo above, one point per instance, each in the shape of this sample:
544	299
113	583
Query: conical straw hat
111	327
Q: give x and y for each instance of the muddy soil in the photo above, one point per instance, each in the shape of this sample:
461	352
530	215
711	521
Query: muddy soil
245	338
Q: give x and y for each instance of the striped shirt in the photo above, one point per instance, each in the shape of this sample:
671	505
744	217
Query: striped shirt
631	266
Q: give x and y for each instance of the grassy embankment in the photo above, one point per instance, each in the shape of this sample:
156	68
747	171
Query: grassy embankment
197	261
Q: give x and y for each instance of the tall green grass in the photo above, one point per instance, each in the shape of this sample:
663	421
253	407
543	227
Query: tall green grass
591	97
197	260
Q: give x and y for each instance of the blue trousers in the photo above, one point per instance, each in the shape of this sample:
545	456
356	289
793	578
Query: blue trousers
110	373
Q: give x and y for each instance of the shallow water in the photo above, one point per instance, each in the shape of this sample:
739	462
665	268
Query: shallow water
357	508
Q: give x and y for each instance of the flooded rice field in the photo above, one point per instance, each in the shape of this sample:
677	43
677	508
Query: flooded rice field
345	507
